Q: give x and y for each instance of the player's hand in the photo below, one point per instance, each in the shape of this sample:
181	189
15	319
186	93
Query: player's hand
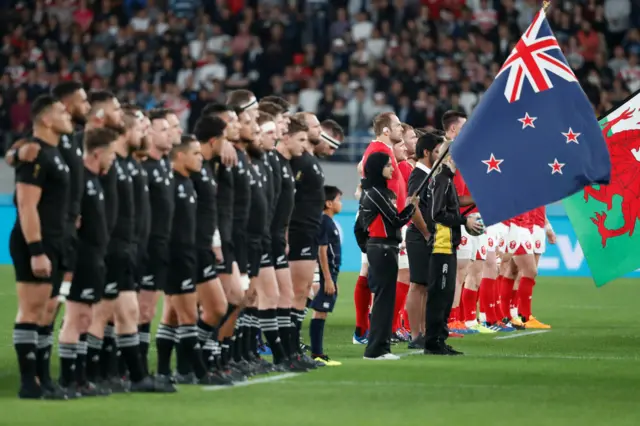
286	249
329	287
551	236
78	222
414	199
27	153
358	192
228	154
217	252
41	266
474	224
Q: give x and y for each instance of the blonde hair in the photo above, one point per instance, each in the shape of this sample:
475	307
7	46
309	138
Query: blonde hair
447	160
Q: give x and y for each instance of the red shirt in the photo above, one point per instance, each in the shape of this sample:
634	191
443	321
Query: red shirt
523	221
463	191
397	184
538	216
405	168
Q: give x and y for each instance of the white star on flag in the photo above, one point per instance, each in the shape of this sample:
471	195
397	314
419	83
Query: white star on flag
571	136
527	121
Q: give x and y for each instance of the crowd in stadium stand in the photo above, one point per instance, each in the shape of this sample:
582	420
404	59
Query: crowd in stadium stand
342	59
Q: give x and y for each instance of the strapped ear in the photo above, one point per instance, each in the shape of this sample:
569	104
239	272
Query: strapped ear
385	130
100	113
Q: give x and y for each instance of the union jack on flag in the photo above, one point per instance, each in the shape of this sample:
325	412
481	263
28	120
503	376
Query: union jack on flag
528	145
530	61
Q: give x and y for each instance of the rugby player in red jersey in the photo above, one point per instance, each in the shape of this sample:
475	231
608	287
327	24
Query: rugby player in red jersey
388	130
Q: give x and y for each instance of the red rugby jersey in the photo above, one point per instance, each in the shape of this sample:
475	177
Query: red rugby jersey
539	216
463	190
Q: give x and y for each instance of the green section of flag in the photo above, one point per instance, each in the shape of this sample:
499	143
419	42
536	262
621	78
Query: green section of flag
621	253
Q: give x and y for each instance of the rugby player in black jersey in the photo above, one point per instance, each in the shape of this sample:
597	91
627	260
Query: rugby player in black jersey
37	239
209	130
305	224
88	278
290	147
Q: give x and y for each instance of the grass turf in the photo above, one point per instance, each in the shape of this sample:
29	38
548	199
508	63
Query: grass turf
585	371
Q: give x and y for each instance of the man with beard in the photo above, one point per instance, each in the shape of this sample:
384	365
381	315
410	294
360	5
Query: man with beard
304	227
427	151
119	297
388	130
88	279
37	240
74	98
209	130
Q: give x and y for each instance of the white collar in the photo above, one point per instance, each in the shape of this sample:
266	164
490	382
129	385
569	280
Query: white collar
423	167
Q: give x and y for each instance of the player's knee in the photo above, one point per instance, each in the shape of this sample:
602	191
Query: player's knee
127	313
319	315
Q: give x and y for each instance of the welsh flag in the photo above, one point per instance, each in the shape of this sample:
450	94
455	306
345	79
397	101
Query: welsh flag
605	217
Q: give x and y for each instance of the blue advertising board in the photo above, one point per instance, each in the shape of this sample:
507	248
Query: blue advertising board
562	259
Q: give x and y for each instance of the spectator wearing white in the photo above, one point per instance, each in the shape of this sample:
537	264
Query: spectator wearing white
630	73
619	60
361	28
211	72
485	17
617	13
140	22
361	112
197	46
380	104
219	42
310	96
376	45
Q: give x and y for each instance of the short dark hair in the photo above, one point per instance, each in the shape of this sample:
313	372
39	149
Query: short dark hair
450	117
159	113
215	109
185	141
208	127
66	88
331	192
381	121
270	108
428	142
297	125
42	104
100	96
278	101
264	117
333	129
240	99
98	138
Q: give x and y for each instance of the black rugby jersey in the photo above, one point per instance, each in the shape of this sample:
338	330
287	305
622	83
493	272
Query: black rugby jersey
161	200
257	224
141	197
71	150
309	199
241	192
93	229
109	183
183	232
125	223
225	198
204	184
284	204
50	173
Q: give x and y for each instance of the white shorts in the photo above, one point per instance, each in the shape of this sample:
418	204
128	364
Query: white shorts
487	243
519	241
502	233
363	259
539	240
468	247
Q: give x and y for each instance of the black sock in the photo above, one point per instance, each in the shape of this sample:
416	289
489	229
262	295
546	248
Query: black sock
207	350
225	351
269	326
25	342
236	340
129	345
191	348
94	351
43	355
122	364
144	331
246	338
283	316
316	333
256	334
230	309
81	360
205	331
165	340
296	324
67	353
108	355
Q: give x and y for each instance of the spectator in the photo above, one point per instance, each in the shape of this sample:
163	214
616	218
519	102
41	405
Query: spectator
361	112
20	114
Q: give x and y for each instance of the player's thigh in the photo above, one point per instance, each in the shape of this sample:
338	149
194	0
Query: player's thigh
302	274
323	302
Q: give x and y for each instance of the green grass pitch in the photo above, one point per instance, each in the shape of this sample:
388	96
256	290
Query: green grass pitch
585	371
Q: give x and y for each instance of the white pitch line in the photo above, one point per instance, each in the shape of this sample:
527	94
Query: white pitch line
409	353
270	379
526	333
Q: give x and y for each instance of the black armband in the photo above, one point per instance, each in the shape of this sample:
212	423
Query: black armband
36	248
14	153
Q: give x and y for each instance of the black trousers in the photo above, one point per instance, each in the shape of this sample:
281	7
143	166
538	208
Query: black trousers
441	290
383	272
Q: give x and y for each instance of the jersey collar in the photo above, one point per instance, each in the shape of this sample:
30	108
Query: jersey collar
422	167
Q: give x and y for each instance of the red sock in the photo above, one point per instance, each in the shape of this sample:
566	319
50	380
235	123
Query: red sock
469	304
506	291
525	291
362	299
402	290
514	299
497	289
453	315
487	299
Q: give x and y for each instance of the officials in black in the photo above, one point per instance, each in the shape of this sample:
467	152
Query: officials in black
379	216
443	221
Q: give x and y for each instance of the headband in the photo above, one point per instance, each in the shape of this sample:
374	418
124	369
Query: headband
252	104
333	142
268	126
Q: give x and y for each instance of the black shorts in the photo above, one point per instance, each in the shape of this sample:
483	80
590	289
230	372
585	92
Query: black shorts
240	251
419	254
323	302
153	265
19	251
206	266
70	258
120	262
303	245
88	278
226	267
266	260
182	274
254	253
279	252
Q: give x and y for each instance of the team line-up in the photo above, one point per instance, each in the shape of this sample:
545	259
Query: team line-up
117	207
